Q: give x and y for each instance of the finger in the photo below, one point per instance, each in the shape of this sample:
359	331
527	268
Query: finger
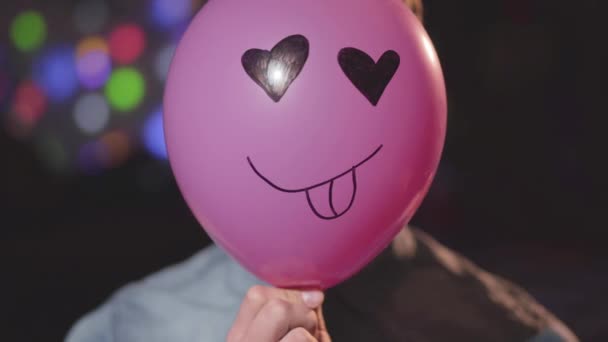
313	299
298	335
278	317
257	297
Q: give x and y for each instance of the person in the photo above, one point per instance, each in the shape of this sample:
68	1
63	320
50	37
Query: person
416	290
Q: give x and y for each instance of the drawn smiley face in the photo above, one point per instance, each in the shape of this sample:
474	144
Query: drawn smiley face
275	70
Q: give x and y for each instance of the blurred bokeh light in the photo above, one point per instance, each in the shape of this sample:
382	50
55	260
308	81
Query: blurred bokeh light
127	43
125	89
169	13
90	16
83	85
55	72
29	104
163	61
154	135
28	31
93	62
91	113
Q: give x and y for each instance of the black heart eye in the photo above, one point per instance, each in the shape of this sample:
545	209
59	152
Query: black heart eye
369	77
276	69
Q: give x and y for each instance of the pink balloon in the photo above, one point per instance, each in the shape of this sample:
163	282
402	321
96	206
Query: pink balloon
304	134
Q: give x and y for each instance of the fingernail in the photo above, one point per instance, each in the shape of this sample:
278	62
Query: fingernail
313	298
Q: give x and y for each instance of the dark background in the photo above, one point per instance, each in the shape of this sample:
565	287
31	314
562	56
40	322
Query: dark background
521	189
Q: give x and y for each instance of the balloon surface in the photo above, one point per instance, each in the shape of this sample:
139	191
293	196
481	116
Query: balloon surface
304	134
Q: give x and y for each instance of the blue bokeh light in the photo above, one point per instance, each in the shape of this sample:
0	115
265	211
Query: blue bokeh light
178	32
169	13
91	156
55	72
154	135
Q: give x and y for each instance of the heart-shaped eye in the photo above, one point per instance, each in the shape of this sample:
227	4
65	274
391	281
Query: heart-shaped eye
276	69
369	77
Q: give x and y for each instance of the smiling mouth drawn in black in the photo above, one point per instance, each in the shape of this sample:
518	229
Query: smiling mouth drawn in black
307	190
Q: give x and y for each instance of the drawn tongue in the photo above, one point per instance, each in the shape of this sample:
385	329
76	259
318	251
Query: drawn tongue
334	198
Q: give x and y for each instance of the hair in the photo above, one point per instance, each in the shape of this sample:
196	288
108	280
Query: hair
416	7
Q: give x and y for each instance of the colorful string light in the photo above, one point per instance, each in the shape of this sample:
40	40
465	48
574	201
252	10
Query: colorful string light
178	32
55	72
126	89
154	135
77	78
29	103
91	44
163	61
91	113
93	69
91	156
117	147
127	43
28	31
109	151
169	13
93	62
90	16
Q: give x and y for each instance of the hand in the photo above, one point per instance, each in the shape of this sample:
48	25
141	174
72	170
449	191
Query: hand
274	315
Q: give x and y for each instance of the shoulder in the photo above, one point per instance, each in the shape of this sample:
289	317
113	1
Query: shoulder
516	305
420	290
195	298
510	306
